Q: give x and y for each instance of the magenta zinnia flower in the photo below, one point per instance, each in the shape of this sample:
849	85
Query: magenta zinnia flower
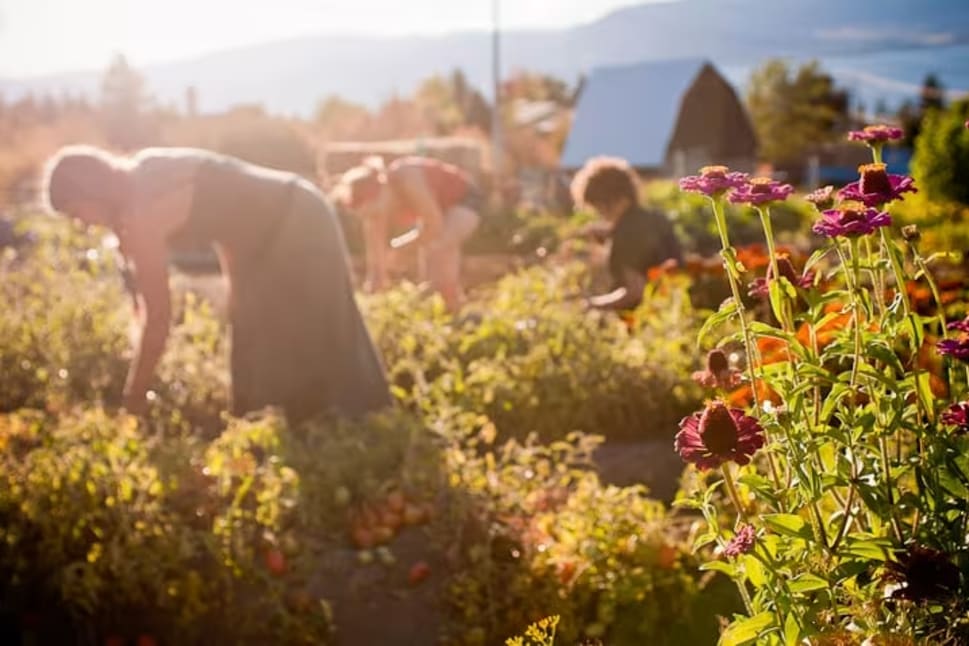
718	373
961	326
955	348
742	542
718	434
877	134
877	186
822	198
927	574
957	415
761	190
760	288
713	181
850	222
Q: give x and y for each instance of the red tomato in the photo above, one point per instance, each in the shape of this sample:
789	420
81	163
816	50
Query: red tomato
418	572
276	562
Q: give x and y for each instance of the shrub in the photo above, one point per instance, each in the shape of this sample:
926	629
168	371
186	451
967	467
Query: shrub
941	161
526	355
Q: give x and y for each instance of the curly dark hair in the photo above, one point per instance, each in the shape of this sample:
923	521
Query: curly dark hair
603	180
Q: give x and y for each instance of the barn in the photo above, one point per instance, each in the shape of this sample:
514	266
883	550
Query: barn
666	118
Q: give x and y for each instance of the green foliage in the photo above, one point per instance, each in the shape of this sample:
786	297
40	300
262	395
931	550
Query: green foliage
697	229
860	488
792	112
941	162
198	528
526	355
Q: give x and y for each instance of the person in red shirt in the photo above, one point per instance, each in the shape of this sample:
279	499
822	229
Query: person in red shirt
415	200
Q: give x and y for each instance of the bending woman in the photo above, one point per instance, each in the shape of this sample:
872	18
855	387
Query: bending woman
298	339
437	205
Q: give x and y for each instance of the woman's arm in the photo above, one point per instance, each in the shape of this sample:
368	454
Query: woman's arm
375	239
149	255
414	189
629	296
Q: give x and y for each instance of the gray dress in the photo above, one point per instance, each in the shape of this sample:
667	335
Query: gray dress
298	339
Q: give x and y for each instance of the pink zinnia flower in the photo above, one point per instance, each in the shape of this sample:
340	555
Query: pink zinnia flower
822	198
957	415
878	134
877	187
718	434
760	288
761	190
713	181
850	222
742	542
718	373
961	326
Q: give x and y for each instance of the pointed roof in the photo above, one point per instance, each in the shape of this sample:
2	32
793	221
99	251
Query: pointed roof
630	111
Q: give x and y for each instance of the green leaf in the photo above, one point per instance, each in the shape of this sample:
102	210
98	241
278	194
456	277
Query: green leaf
721	566
791	631
807	582
871	549
703	539
789	525
716	320
755	571
746	630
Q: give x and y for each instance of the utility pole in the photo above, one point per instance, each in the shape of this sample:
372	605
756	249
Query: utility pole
497	151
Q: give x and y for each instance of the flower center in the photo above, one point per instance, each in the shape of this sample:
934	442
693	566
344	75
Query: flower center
785	268
852	215
718	429
761	185
714	172
874	179
717	362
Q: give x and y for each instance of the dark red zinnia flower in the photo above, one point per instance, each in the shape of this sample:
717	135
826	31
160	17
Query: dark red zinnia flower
850	222
877	186
760	190
759	288
877	134
925	574
713	181
742	542
957	415
718	373
718	434
822	198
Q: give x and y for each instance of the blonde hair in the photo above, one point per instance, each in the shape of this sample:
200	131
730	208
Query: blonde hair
361	183
84	171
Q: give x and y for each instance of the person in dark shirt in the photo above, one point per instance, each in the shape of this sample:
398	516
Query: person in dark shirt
641	238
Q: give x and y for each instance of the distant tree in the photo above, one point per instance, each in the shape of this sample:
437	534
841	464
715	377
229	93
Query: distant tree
451	103
881	108
191	101
932	94
339	119
125	106
941	161
793	111
534	86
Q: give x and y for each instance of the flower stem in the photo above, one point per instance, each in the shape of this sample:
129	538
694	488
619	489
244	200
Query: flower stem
751	348
732	490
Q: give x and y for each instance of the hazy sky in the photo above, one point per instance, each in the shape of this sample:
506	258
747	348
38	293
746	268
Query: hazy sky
47	36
